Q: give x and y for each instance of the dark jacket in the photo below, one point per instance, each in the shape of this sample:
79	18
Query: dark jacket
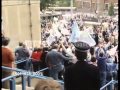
101	61
55	59
82	76
22	53
102	64
43	56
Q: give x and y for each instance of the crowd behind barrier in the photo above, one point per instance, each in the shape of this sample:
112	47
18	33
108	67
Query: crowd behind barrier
24	75
34	61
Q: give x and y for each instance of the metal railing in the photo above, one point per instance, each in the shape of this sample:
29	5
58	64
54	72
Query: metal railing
20	61
24	74
112	82
29	74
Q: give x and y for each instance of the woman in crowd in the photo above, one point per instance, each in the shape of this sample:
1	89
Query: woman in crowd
36	59
8	59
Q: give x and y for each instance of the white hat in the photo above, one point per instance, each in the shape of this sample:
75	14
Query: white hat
86	38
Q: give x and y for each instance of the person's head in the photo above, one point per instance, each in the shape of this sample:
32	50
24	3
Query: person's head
93	59
92	51
5	41
20	43
24	46
80	55
55	46
48	84
35	49
81	50
45	49
39	49
106	39
66	46
101	53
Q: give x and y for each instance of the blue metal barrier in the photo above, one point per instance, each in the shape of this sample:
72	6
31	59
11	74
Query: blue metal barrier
12	84
7	78
29	81
20	61
42	69
13	69
24	75
109	83
23	83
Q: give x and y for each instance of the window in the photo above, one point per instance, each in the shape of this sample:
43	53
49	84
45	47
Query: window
106	6
115	4
93	6
80	4
86	5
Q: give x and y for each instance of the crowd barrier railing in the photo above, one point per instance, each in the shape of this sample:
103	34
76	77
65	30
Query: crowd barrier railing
112	82
24	74
30	75
20	61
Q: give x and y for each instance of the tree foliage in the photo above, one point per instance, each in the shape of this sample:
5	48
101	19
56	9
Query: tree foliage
59	3
111	10
46	3
63	3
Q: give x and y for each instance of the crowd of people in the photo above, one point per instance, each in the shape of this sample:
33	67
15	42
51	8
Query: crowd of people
80	67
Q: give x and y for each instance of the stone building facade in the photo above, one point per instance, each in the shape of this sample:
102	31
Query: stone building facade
21	22
94	5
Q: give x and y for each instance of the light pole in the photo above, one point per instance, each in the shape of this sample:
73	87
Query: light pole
91	5
71	4
30	23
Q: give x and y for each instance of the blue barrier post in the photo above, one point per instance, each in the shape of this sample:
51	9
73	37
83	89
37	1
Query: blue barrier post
29	81
109	83
23	82
12	84
30	74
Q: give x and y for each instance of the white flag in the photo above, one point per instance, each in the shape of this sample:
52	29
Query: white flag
75	32
112	51
50	39
81	36
86	38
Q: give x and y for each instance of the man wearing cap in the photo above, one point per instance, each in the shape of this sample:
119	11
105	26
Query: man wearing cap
82	75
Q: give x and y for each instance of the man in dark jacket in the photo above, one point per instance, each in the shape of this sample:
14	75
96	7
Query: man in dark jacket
101	62
22	53
54	61
82	75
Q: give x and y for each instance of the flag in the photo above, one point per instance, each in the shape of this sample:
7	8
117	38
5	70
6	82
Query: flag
75	32
50	39
81	36
86	38
112	51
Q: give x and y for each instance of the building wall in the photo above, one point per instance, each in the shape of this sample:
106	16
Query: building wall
93	5
16	21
